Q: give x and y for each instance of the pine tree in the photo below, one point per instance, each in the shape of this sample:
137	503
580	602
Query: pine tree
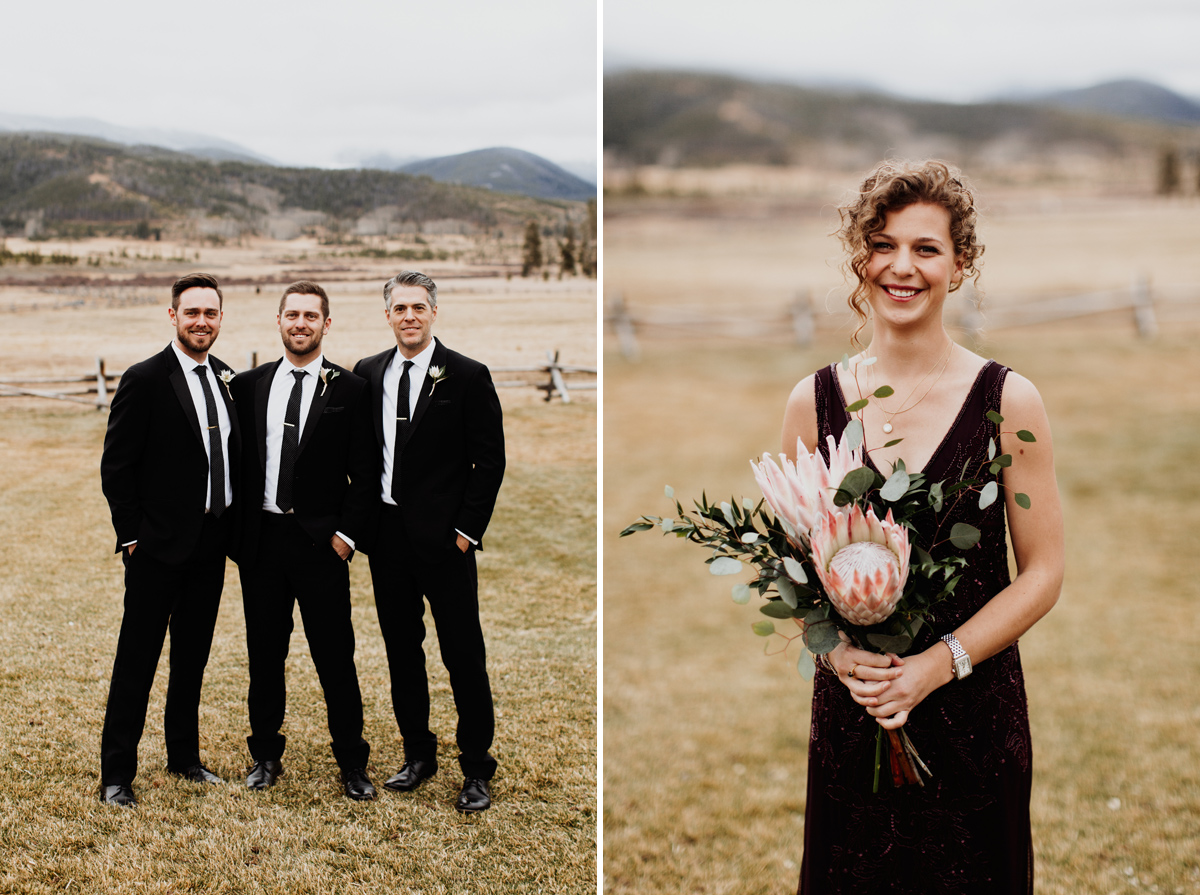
532	256
587	252
566	249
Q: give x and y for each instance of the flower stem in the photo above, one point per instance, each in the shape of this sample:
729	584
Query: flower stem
878	756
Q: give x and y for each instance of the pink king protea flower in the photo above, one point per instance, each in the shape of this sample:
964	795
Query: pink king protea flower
862	561
800	493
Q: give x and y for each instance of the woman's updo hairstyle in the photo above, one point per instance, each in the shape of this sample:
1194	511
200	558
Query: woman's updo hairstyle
894	185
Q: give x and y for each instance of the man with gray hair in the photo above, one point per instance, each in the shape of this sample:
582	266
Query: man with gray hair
438	426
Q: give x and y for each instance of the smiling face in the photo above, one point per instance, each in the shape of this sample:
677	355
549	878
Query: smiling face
302	325
912	265
197	320
411	318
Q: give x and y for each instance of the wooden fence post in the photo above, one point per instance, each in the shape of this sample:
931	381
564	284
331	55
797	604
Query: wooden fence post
622	324
1143	307
556	379
802	318
101	385
251	360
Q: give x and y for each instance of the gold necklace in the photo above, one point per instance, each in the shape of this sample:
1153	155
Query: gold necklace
888	417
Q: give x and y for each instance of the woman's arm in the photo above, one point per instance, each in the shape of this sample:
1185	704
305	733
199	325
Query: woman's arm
800	417
890	693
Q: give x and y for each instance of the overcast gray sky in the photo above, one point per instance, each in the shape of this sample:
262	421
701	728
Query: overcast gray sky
308	82
956	50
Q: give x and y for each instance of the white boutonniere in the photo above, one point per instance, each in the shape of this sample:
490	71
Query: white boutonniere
226	376
328	374
437	374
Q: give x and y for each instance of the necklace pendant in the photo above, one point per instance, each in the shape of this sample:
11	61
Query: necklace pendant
887	428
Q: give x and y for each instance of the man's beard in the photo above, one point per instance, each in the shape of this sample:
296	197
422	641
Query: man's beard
198	342
314	345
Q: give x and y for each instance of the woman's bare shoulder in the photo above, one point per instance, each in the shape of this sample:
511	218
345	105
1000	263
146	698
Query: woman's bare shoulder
800	416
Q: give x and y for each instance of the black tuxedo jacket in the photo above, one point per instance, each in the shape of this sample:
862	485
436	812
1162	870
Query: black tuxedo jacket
337	471
154	470
451	463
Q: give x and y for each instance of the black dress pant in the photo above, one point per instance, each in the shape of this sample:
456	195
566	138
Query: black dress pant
402	576
180	597
288	569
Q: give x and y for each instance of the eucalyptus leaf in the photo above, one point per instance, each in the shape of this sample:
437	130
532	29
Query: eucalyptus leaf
667	525
776	609
935	496
806	666
987	496
995	417
741	594
725	565
869	361
922	554
669	491
748	504
856	406
636	527
795	570
964	536
895	487
991	448
1025	435
845	362
763	628
884	391
727	512
858	481
817	615
893	442
788	593
822	637
750	537
890	643
852	435
1022	500
1004	460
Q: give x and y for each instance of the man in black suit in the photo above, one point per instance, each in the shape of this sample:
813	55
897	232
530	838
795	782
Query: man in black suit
171	446
311	428
439	432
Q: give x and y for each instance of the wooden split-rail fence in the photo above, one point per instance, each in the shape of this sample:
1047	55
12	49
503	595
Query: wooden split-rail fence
798	322
96	388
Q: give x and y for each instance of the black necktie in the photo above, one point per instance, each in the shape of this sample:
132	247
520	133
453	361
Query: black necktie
216	454
291	444
402	404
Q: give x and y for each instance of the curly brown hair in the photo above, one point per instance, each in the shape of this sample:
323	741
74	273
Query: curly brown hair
893	185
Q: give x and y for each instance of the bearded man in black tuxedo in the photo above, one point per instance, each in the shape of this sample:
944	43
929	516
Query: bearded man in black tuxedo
440	436
310	483
169	473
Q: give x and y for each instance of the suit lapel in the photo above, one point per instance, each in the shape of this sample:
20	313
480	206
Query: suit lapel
262	394
377	369
178	380
425	395
320	399
226	394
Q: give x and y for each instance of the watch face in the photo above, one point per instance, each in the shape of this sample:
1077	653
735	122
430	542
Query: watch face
962	667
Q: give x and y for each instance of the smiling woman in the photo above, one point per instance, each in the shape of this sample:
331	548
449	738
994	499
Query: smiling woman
959	692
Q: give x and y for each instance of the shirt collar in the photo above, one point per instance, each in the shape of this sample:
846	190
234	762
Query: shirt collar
188	363
421	361
313	367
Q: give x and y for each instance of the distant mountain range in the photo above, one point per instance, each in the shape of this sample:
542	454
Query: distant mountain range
507	171
56	184
688	118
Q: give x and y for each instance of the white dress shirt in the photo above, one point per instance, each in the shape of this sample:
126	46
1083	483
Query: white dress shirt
391	384
277	401
197	392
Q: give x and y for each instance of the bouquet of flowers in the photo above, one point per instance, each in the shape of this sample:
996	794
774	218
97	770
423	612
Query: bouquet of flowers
834	553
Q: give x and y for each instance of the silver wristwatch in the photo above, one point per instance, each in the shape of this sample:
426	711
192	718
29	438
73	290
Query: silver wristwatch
962	662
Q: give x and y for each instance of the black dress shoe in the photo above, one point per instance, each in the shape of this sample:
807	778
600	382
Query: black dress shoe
358	785
475	796
197	773
412	774
120	794
264	774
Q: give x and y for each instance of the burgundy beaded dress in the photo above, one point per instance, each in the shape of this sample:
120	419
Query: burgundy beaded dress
967	830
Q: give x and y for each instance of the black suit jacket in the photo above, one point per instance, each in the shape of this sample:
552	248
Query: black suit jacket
451	463
336	482
154	470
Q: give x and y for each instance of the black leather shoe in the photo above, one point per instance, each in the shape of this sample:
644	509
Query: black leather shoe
264	774
197	773
475	796
412	774
358	785
118	795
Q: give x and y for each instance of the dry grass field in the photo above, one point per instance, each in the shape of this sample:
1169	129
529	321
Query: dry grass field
60	608
705	738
